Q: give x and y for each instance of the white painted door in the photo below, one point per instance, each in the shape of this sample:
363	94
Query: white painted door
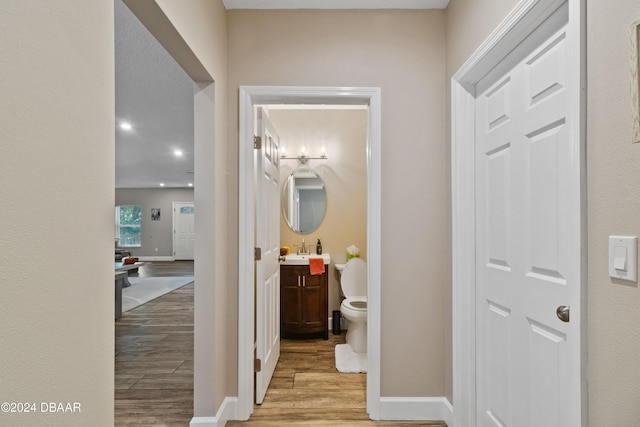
528	222
184	235
268	240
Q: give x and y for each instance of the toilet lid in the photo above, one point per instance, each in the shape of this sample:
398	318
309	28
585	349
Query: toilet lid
354	278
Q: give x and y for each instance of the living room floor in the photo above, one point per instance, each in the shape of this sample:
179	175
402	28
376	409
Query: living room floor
164	269
154	355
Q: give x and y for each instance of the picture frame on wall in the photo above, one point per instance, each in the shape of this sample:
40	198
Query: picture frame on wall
155	214
635	80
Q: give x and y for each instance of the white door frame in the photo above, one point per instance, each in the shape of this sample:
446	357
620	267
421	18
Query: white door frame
513	30
255	95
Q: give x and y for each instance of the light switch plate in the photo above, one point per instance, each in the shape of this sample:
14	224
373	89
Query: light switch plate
623	257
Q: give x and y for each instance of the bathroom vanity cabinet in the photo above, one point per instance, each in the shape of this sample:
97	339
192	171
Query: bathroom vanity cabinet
304	302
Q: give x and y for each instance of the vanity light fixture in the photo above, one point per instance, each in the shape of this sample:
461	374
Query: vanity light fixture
303	157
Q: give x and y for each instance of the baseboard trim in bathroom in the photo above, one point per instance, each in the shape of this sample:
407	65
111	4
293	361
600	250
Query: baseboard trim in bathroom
349	361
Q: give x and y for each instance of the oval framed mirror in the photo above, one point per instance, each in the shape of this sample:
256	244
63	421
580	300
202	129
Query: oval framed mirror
304	201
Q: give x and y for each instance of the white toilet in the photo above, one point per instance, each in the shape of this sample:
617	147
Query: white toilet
353	282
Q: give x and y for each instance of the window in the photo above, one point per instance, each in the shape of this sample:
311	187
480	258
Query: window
128	226
187	210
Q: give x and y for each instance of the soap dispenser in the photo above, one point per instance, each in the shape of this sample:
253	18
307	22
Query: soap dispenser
319	248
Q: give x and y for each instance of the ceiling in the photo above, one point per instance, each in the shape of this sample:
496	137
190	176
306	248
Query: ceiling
335	4
155	96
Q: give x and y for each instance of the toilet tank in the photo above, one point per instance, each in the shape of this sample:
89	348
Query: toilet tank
354	278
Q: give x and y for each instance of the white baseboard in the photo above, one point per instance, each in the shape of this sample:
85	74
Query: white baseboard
391	408
448	412
416	408
155	258
226	412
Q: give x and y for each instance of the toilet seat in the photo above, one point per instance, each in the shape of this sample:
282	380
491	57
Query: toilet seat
353	313
356	303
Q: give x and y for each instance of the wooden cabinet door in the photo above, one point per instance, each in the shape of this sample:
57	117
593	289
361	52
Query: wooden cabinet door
303	302
290	299
313	310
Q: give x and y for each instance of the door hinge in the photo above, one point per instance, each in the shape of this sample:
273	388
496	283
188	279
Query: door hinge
257	365
257	142
257	254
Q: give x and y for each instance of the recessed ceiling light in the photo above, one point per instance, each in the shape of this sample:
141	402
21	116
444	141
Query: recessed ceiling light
162	184
190	184
125	126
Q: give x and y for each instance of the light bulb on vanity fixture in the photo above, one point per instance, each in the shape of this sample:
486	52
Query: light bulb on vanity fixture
303	157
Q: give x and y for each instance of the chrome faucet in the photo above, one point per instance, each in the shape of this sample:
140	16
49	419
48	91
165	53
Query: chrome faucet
302	249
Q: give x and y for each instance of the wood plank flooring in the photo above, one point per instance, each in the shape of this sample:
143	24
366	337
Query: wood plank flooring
165	269
154	371
154	355
307	390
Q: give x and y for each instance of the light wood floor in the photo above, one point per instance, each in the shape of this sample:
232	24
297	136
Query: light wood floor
307	390
154	371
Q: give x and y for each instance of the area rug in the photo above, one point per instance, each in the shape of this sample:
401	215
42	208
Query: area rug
145	289
349	361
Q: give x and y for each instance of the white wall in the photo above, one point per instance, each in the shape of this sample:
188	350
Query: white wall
57	193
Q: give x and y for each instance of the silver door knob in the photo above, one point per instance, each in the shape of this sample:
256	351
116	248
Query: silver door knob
563	313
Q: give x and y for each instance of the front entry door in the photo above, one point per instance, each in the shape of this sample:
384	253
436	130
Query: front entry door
184	234
268	267
528	258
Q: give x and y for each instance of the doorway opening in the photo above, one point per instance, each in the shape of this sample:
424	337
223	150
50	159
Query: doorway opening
320	198
251	96
198	96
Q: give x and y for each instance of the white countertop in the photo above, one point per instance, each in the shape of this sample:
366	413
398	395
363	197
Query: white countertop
294	259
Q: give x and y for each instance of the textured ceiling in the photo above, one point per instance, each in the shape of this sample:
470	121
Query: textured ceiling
155	95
